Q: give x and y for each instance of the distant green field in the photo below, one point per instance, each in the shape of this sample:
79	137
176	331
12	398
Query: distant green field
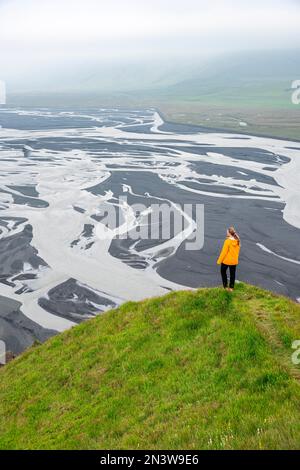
264	106
275	122
191	370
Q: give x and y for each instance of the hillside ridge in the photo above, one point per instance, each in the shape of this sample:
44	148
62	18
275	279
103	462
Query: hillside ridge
201	369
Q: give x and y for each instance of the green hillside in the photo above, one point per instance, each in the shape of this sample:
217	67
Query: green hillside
204	369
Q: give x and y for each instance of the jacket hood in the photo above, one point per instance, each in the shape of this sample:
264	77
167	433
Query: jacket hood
233	241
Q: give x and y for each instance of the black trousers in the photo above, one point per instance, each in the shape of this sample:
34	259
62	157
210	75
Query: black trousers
232	270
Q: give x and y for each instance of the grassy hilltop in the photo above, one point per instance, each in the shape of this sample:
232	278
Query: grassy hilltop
204	369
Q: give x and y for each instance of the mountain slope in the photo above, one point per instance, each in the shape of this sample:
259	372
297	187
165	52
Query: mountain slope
204	369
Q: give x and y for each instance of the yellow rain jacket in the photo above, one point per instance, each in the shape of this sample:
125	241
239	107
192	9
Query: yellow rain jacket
230	252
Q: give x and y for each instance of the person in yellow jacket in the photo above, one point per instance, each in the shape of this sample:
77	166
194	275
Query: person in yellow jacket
229	258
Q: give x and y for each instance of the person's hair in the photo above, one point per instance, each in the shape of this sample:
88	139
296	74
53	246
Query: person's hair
233	233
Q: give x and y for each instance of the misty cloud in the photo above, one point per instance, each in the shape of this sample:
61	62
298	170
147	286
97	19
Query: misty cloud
37	36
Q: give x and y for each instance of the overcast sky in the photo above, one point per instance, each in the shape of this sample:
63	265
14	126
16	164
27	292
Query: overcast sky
39	31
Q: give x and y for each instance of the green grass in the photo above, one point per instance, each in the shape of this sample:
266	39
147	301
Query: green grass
204	369
282	123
